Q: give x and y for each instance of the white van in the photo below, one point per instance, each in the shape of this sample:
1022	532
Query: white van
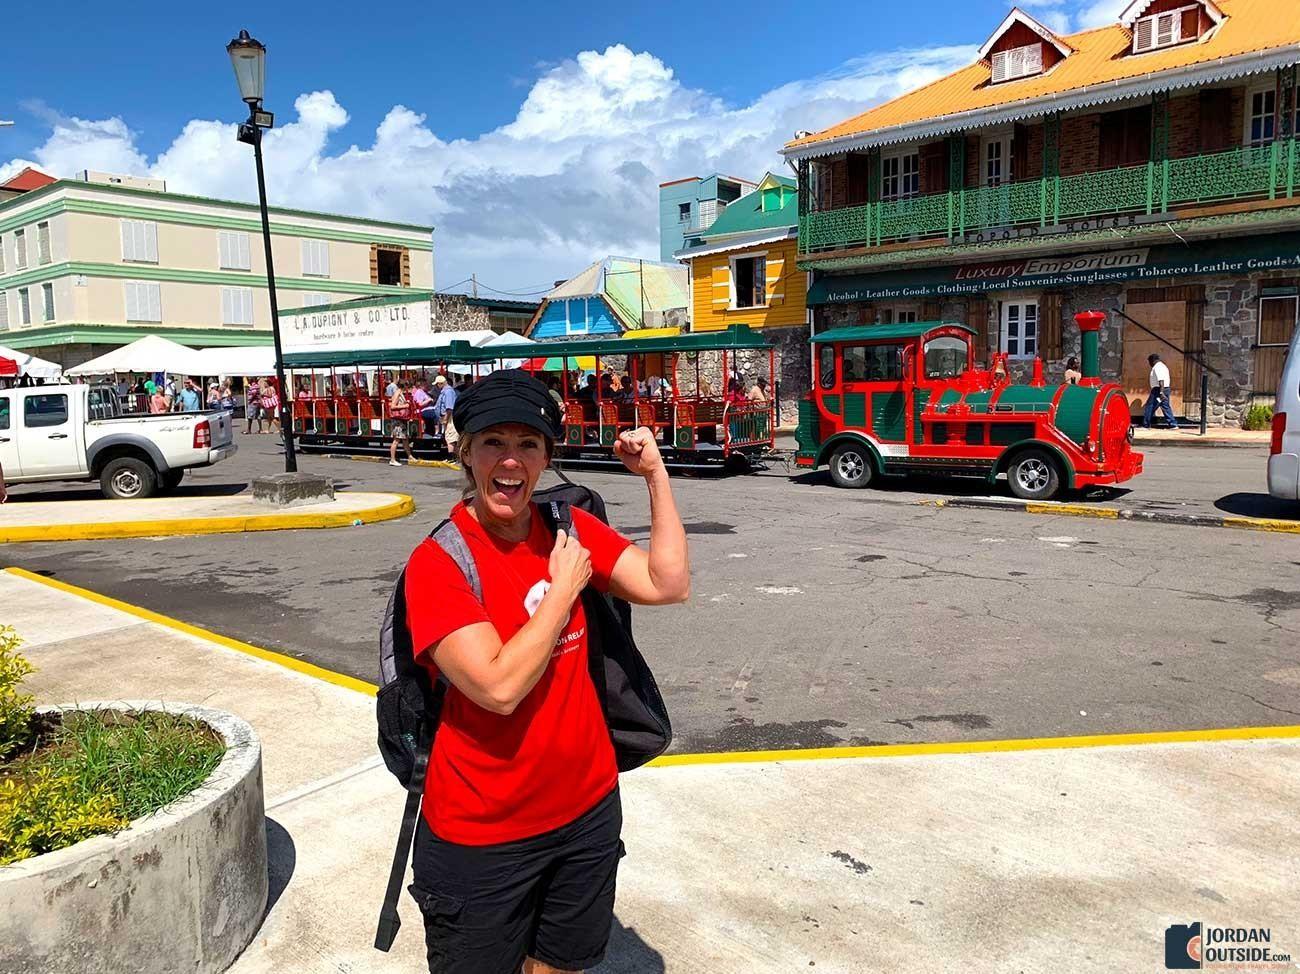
1284	452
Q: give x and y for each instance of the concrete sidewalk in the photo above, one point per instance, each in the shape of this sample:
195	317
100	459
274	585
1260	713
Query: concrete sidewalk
78	520
1030	859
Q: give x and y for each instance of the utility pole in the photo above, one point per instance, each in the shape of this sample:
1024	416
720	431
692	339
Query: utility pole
641	278
473	279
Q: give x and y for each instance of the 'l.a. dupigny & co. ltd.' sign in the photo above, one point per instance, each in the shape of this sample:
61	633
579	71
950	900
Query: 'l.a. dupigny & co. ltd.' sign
375	326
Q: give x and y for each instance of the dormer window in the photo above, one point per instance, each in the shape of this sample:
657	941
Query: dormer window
1166	29
1018	62
1170	26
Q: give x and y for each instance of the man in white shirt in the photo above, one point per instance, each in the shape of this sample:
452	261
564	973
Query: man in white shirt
1159	394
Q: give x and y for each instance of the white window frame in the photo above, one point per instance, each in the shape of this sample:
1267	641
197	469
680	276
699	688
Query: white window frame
237	306
1004	340
4	310
1174	18
1017	62
234	252
1002	137
20	249
24	306
139	241
910	311
44	249
145	299
684	219
315	299
897	162
731	276
47	301
315	258
1248	115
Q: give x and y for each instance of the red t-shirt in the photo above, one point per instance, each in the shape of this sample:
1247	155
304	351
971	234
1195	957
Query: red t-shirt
494	778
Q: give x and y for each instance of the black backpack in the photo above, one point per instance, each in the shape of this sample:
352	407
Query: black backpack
409	704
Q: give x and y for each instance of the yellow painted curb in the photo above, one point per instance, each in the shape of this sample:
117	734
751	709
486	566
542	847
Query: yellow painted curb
297	665
402	506
1074	510
1262	524
443	464
1208	735
984	747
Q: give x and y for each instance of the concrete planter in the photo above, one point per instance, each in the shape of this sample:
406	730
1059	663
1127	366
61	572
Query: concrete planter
183	889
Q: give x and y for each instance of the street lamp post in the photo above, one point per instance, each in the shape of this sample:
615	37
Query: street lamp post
248	57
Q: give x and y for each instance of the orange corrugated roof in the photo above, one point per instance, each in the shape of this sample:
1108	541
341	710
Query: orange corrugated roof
1101	55
28	179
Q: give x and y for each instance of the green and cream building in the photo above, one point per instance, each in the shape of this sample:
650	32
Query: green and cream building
94	263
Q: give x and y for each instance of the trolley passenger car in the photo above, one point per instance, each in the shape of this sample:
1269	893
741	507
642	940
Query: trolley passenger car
697	426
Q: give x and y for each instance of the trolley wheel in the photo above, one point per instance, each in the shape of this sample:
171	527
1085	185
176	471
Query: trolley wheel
1034	475
127	478
851	466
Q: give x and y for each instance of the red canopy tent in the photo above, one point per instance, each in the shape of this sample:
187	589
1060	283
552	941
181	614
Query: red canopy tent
8	366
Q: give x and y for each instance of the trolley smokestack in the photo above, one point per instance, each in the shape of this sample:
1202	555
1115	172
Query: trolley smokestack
1089	323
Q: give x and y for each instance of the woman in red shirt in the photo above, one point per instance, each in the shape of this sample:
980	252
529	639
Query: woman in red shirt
519	841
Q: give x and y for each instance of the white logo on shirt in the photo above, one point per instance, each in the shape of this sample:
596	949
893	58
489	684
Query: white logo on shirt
535	595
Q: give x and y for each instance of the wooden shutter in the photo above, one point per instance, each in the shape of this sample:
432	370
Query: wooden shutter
931	310
1144	34
721	286
859	178
1049	326
775	267
406	267
934	167
1216	120
1019	152
374	263
130	294
977	316
1000	66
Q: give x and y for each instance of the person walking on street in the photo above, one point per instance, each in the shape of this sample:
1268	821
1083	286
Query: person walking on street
399	412
442	409
252	409
1159	395
270	405
519	841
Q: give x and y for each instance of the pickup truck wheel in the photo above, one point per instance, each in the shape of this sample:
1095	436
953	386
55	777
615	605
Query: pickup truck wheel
851	466
172	479
127	478
1034	475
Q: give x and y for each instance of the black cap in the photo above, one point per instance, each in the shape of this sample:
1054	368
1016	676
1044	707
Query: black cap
507	396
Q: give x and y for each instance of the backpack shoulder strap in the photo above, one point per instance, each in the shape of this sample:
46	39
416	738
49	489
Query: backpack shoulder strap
449	538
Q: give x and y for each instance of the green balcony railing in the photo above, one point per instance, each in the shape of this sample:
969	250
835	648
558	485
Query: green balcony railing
1268	172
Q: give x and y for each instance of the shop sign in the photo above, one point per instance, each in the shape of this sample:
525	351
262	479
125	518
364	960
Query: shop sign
374	326
1222	258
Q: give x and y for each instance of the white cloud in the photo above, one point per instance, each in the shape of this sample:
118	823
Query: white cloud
1100	13
572	177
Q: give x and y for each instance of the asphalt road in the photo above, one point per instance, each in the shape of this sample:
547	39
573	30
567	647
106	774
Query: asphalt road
819	616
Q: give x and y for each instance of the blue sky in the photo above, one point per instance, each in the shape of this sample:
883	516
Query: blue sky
531	135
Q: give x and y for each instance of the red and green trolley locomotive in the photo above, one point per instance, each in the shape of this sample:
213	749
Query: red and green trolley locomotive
892	399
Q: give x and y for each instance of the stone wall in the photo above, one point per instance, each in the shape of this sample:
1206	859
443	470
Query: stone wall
1231	328
451	313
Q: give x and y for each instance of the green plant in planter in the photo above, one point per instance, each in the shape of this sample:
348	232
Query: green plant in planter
15	707
1258	417
47	809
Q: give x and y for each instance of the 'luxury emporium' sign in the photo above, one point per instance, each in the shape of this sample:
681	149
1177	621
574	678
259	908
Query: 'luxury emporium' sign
379	325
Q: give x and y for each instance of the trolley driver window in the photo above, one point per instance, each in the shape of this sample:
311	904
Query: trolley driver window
945	358
826	366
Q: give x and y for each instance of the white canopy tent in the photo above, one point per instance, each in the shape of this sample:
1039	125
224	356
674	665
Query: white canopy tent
28	364
149	354
509	338
237	360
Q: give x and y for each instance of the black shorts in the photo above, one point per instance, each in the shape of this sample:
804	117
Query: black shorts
550	896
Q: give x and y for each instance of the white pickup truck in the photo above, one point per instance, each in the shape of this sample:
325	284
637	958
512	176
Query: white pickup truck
78	432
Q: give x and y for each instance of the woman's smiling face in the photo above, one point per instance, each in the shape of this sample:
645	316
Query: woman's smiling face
507	461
